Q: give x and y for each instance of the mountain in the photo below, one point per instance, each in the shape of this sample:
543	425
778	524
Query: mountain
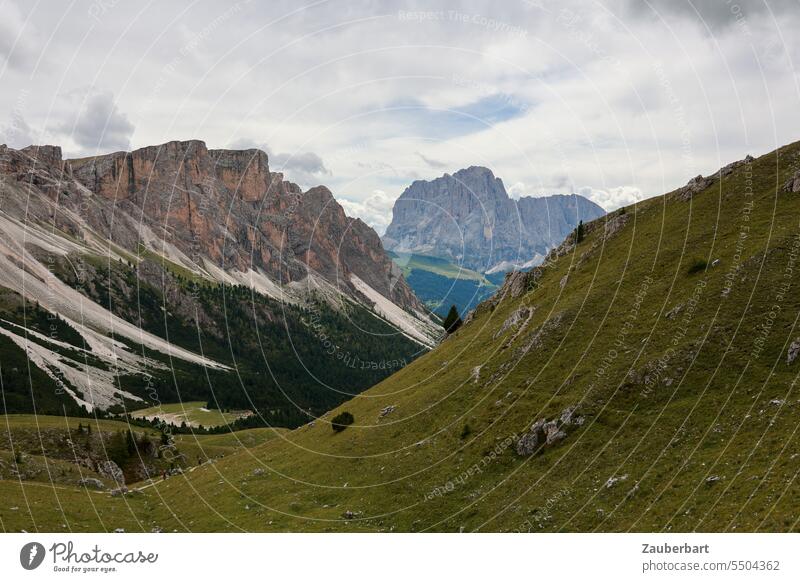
116	270
469	218
641	379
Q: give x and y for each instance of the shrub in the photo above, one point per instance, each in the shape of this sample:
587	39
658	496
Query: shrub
466	431
341	421
697	266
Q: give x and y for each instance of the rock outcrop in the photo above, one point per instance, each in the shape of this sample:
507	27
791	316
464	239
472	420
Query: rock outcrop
793	184
544	433
794	351
469	218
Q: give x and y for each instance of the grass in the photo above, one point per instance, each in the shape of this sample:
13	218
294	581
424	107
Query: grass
688	400
194	414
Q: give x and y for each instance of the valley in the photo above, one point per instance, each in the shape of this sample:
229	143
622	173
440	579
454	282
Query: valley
643	377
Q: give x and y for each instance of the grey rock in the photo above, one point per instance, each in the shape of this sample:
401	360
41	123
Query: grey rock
532	440
111	470
476	374
545	432
553	433
615	223
694	186
91	482
793	352
387	410
513	320
793	184
614	480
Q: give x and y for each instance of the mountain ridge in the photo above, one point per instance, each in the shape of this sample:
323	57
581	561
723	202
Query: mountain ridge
88	239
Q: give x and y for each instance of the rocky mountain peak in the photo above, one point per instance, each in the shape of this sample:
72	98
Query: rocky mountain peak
469	218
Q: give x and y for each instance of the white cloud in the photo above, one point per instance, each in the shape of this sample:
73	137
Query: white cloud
18	39
16	133
375	210
517	190
612	198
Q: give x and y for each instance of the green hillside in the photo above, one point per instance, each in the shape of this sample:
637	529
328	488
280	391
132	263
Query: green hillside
659	345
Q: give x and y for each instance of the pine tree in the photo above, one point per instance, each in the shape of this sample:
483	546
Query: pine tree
579	234
453	321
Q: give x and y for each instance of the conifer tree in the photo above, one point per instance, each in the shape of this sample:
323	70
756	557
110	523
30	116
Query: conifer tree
453	321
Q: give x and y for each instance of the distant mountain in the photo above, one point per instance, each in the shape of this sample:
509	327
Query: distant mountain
177	256
468	218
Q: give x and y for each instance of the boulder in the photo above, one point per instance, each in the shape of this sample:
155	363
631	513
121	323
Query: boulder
532	440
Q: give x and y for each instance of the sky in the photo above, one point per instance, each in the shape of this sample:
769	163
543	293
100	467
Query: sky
617	100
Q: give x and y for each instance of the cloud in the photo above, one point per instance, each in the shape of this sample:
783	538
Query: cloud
436	164
305	164
715	14
517	190
17	133
375	210
100	126
17	38
612	198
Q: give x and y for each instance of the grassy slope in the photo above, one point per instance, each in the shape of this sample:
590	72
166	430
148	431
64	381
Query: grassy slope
718	409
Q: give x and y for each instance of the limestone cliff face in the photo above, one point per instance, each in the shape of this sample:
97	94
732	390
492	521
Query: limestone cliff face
200	206
468	217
